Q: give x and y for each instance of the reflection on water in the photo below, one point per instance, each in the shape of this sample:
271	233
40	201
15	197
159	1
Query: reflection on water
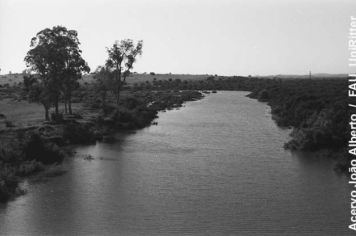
214	167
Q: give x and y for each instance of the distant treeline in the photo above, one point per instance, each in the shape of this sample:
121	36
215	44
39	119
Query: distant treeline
211	83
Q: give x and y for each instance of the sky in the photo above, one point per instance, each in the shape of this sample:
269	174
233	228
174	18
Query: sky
224	37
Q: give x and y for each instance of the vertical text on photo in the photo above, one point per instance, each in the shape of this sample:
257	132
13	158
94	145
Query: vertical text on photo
352	109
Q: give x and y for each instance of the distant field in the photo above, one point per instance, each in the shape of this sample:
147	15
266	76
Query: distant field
134	78
10	79
137	78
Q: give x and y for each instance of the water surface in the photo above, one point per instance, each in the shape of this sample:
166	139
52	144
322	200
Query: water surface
214	167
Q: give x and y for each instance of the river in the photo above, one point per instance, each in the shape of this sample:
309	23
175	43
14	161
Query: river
213	167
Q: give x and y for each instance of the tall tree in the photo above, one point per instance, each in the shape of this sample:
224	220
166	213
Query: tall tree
122	56
55	56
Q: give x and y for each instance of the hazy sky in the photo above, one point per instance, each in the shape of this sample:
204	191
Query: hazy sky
226	37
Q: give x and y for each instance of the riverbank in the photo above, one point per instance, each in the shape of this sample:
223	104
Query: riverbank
25	151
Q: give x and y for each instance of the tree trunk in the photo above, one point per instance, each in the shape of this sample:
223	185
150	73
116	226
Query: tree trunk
103	98
46	113
118	91
70	105
118	95
56	106
118	83
65	106
69	100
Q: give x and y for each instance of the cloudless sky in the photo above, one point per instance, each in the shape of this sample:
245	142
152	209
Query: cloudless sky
225	37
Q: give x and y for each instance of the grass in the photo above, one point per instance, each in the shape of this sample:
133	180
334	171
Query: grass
23	114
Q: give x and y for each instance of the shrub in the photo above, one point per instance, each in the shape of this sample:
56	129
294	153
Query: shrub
9	155
76	133
40	150
9	184
9	124
28	168
263	95
57	117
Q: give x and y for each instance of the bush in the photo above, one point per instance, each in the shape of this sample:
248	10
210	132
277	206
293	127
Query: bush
9	184
57	117
9	124
263	95
76	133
40	150
9	155
28	168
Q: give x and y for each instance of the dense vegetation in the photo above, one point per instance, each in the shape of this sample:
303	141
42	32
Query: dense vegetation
316	109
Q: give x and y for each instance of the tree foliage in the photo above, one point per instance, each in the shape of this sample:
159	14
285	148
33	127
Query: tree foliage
56	58
121	57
